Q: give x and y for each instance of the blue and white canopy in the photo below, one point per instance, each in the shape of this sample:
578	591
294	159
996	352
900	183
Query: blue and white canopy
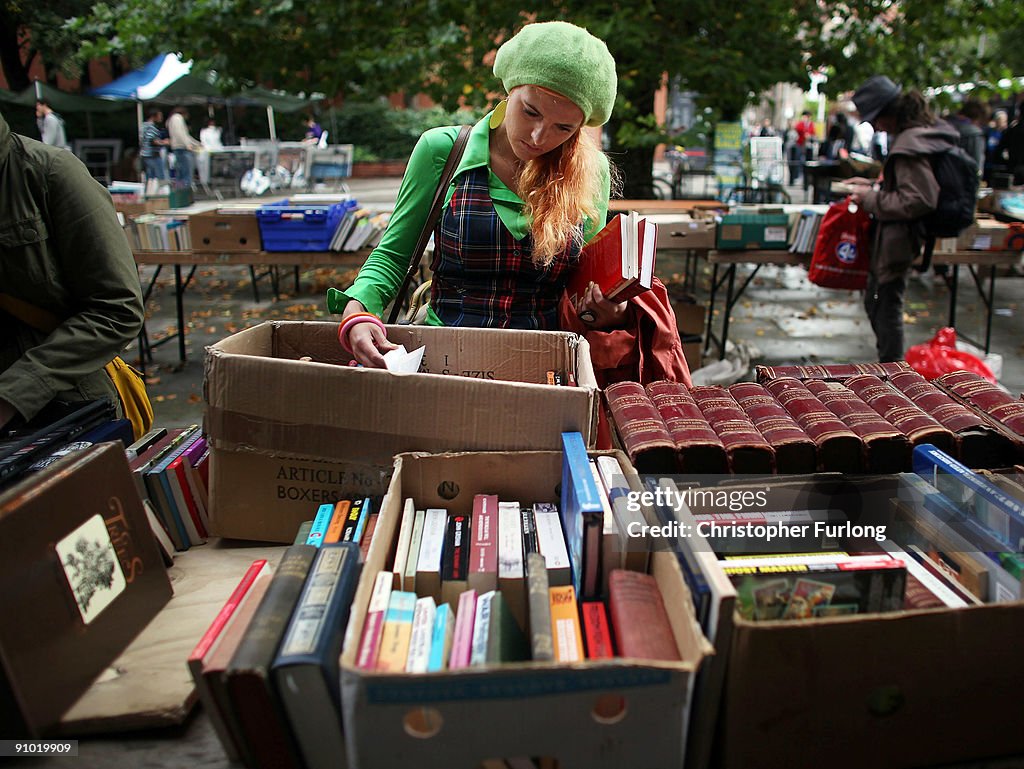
148	82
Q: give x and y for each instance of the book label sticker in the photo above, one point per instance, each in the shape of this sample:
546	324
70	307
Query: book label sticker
91	567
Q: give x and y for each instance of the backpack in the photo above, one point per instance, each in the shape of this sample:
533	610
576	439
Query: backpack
957	175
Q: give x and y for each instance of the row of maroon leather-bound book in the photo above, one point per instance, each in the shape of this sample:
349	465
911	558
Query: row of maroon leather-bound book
800	419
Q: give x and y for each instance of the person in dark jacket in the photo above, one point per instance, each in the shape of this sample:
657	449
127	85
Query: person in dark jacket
906	191
62	251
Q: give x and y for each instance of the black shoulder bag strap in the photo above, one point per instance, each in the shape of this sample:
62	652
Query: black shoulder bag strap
435	213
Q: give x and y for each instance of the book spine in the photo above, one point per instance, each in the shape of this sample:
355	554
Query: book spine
337	522
641	624
636	420
895	407
404	538
321	521
441	638
373	626
428	565
565	624
415	542
551	543
421	636
355	512
839	448
794	450
456	564
363	520
481	629
214	630
595	630
184	498
529	530
465	619
511	576
746	448
582	515
701	450
986	397
954	416
394	644
367	538
541	643
483	551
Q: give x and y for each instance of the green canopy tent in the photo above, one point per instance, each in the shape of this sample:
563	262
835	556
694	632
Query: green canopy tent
61	101
273	101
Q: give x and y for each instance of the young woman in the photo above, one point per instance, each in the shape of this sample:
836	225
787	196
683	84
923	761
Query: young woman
906	192
531	188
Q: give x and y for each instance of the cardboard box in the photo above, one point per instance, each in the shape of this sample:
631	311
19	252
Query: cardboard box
753	231
984	235
226	233
899	689
287	435
685	232
606	715
690	318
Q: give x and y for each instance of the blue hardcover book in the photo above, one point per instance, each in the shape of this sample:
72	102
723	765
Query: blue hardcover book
114	430
321	521
980	499
582	517
441	639
306	672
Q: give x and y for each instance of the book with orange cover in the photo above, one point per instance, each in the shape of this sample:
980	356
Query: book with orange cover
565	624
337	522
619	259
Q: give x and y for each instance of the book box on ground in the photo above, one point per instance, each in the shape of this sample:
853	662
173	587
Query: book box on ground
596	713
287	435
919	688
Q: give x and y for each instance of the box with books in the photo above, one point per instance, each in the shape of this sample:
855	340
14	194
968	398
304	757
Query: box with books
552	685
225	230
870	681
286	435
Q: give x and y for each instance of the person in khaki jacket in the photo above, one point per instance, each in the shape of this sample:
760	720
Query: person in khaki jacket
62	251
906	191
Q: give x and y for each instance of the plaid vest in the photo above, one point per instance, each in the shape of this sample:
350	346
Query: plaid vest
483	276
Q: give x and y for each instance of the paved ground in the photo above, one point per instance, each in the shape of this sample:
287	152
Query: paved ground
784	317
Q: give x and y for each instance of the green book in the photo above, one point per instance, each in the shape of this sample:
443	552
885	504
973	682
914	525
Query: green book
505	639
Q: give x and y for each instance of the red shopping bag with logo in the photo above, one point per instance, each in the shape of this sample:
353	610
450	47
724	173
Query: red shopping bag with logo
842	249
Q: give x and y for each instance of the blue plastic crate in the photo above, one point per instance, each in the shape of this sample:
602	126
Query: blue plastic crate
284	227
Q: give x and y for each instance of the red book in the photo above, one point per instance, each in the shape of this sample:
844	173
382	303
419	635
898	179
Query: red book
746	448
838	447
483	544
619	259
978	444
179	469
373	625
901	412
836	371
639	620
364	543
794	451
700	449
988	398
596	636
886	449
644	433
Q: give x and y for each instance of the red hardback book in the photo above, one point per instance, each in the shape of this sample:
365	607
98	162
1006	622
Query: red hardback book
596	635
201	653
978	443
839	448
700	449
986	397
886	449
901	412
747	449
794	450
639	620
834	371
644	434
619	259
483	544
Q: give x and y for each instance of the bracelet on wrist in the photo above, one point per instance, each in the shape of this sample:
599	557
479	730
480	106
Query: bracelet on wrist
354	320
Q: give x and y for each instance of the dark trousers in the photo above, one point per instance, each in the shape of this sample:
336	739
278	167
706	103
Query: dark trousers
884	305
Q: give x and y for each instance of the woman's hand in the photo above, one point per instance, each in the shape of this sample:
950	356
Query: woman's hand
366	340
599	313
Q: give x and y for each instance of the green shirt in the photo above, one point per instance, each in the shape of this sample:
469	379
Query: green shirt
385	268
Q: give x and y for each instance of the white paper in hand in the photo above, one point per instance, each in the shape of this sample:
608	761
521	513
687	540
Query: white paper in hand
401	361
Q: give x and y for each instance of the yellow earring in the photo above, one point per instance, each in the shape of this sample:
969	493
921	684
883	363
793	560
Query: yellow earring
498	115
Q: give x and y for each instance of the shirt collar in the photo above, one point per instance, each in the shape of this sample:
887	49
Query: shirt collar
478	153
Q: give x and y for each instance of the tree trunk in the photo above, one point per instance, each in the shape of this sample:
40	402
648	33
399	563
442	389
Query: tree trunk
10	55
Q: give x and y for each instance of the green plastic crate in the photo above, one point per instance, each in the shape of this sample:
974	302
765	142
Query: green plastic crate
753	231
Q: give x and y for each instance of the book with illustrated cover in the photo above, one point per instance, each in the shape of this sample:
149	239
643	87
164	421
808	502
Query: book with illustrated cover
619	259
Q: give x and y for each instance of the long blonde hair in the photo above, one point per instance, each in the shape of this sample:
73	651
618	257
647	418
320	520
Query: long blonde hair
560	189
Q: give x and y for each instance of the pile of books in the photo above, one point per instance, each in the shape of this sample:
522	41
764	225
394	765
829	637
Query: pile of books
156	232
799	420
347	520
358	228
803	230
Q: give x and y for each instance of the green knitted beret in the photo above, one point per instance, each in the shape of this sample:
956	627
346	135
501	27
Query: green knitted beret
563	58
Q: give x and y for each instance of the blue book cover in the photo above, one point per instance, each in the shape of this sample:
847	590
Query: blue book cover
980	499
582	516
441	639
306	671
361	523
321	521
165	500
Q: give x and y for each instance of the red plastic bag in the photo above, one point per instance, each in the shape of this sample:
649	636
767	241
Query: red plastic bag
841	252
940	356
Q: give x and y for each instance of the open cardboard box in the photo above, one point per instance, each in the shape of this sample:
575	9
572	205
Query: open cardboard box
288	435
898	689
605	714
